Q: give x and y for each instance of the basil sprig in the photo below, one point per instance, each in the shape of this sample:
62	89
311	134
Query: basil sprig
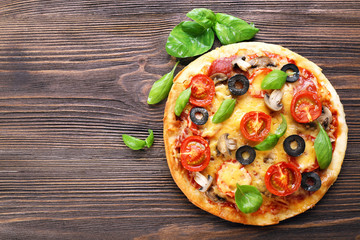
182	100
225	110
248	198
230	29
136	143
323	148
161	88
274	80
272	139
189	38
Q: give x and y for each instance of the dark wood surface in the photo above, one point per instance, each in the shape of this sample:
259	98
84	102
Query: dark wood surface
74	76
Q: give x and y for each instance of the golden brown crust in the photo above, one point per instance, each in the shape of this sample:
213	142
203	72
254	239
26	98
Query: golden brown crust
227	212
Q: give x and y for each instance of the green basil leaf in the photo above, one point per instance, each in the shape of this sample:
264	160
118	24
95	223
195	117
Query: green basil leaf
274	80
161	88
323	148
269	143
230	29
182	100
248	198
133	142
204	17
280	131
225	110
150	139
181	44
192	28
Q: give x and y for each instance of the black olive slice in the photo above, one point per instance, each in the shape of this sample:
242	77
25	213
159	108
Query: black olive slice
242	81
310	181
196	112
245	150
294	77
299	148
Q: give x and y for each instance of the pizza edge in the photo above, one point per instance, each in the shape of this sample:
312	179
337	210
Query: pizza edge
230	213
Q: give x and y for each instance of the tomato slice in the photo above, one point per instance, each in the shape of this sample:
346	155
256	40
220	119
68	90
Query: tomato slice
255	126
305	107
282	179
195	153
202	90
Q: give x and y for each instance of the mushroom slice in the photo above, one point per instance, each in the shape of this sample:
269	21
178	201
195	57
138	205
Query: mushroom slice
274	100
213	196
225	144
241	63
325	118
262	61
204	182
219	77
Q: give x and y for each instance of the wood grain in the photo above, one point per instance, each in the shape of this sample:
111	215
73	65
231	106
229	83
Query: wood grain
74	77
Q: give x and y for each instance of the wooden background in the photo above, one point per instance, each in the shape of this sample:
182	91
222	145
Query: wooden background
74	76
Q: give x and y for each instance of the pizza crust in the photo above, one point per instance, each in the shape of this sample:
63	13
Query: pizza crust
200	65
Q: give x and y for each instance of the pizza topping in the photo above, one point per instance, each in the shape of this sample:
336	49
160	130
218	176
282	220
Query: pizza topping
222	65
310	181
294	145
245	154
232	173
181	101
274	80
210	193
305	106
238	84
195	153
323	148
248	198
272	139
225	110
273	101
325	118
239	61
293	72
255	126
199	115
225	145
202	90
282	179
263	61
219	77
204	182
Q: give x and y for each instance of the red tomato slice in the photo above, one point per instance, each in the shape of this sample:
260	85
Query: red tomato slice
282	179
202	90
255	126
305	107
195	153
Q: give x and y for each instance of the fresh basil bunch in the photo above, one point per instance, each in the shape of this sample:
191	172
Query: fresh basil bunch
190	39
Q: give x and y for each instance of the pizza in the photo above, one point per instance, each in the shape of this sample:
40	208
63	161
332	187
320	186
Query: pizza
254	133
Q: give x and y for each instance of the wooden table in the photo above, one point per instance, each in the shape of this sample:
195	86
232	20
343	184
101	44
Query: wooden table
74	77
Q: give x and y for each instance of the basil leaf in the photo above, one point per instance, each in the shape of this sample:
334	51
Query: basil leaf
181	44
204	17
150	139
248	198
272	139
161	88
192	28
274	80
280	131
323	148
230	29
133	142
182	100
225	110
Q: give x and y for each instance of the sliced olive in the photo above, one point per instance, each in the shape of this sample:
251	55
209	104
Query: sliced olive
295	75
294	145
199	115
310	181
238	84
245	154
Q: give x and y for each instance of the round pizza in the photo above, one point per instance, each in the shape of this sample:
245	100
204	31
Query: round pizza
254	133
